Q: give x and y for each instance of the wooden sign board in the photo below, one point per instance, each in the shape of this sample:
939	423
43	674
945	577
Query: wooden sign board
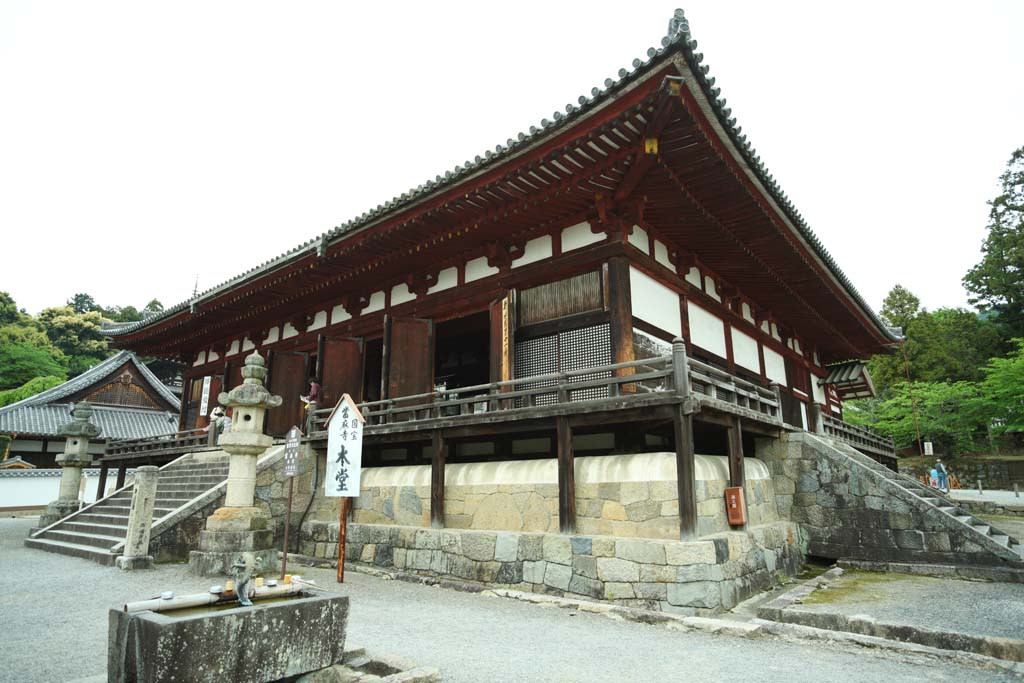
291	452
344	449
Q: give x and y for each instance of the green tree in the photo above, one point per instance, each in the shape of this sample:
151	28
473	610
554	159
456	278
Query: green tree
20	363
29	388
8	309
122	314
996	283
1003	391
77	335
83	303
152	308
900	307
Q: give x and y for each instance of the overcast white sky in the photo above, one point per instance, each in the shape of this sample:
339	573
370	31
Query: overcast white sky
145	144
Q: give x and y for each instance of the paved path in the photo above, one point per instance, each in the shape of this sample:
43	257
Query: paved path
54	615
978	608
995	496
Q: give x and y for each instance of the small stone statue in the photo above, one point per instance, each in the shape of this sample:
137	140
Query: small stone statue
244	574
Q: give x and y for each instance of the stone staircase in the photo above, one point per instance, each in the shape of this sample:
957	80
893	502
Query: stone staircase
981	532
97	532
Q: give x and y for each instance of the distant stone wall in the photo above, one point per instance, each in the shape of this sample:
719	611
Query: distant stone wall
848	510
988	507
616	495
700	577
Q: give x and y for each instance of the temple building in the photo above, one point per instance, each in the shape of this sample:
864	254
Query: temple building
129	402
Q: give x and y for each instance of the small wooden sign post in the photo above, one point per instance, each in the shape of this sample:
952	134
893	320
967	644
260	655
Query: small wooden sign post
291	468
344	463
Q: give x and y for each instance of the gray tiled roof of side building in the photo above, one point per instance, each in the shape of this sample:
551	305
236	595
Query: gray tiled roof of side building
114	422
92	375
678	41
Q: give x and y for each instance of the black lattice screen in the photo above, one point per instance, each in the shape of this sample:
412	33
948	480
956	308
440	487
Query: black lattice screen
578	349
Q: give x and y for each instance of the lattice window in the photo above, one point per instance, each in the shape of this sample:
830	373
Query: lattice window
586	347
120	393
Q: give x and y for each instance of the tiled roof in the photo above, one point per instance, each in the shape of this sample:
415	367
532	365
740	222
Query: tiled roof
678	42
114	422
93	375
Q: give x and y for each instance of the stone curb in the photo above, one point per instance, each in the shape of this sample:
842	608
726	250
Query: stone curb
942	571
990	647
811	633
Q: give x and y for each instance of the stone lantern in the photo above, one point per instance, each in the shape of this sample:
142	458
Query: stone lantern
240	527
75	457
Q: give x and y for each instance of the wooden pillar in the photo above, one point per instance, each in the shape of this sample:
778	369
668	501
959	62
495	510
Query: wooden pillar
121	471
682	428
736	473
620	309
816	422
566	477
101	485
437	480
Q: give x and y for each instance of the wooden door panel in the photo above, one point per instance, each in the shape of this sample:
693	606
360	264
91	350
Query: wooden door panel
408	358
341	370
289	380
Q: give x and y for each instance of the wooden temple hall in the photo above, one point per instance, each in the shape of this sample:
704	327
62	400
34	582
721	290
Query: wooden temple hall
524	305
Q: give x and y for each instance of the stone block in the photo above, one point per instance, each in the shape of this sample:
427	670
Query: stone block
633	491
615	569
510	573
581	545
664	490
614	590
531	547
644	552
399	558
613	511
557	576
704	594
155	646
557	549
451	542
643	510
651	591
582	585
602	547
909	539
506	547
533	572
584	565
478	546
699	552
653	573
703	572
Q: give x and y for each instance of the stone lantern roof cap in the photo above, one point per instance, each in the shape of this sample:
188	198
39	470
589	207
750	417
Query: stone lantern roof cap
80	424
251	392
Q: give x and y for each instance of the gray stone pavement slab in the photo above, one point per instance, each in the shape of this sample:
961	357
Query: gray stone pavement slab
978	608
53	614
994	496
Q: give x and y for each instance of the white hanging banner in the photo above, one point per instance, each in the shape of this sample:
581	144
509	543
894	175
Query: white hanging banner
204	403
344	449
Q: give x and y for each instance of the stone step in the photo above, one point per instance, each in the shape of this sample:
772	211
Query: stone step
73	549
948	509
94	540
1001	539
77	527
97	518
981	528
963	518
158	511
205	469
1019	549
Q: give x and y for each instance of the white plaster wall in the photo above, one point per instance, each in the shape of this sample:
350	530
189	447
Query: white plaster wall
748	315
272	336
579	236
774	366
200	359
477	269
319	320
289	331
535	250
654	303
744	351
639	239
339	314
21	491
706	329
233	349
446	279
693	277
661	255
817	389
709	287
247	345
400	294
588	470
376	302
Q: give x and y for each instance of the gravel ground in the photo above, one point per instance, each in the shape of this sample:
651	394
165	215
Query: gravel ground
973	607
53	609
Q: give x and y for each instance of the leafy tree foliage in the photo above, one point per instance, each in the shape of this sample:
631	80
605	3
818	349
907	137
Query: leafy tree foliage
152	308
8	309
20	363
29	388
900	307
77	335
83	303
996	283
1003	391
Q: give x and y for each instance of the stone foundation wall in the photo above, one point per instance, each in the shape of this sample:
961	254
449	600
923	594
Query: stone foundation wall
847	510
699	577
616	495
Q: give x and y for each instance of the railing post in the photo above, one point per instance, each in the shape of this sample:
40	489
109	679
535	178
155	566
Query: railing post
815	418
680	368
311	417
566	476
563	389
777	390
140	521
